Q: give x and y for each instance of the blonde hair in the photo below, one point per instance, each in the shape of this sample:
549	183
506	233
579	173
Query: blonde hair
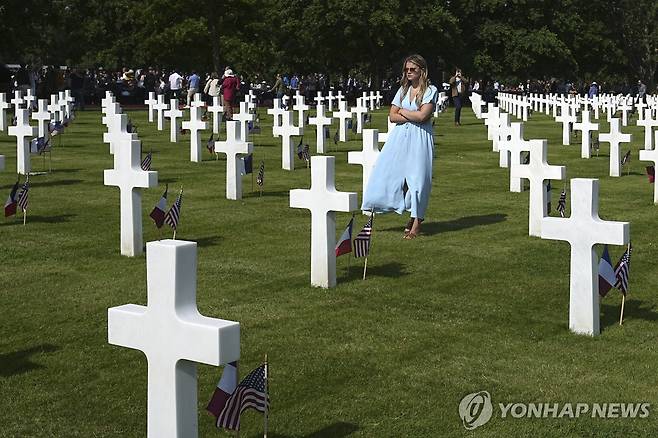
423	81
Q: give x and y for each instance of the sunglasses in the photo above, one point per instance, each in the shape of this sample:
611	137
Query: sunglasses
411	69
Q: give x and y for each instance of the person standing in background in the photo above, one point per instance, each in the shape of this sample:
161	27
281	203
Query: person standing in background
230	86
193	87
458	91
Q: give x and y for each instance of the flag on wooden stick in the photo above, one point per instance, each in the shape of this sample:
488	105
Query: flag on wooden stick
173	215
362	241
250	393
10	204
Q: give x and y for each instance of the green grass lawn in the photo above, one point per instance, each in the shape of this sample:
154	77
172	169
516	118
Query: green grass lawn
473	304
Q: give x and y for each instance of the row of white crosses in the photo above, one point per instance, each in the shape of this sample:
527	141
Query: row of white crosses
583	229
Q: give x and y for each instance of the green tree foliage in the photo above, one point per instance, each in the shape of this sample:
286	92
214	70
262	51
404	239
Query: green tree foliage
504	39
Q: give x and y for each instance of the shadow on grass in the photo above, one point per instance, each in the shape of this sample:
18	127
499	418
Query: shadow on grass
207	241
18	362
431	228
38	219
266	194
63	182
633	309
393	270
339	429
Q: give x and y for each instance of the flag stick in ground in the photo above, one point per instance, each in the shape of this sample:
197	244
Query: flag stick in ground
621	315
267	409
365	264
623	295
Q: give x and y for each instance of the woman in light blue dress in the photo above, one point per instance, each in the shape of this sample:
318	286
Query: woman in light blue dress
401	179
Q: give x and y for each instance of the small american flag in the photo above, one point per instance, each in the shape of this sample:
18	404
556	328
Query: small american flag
173	215
562	203
622	270
306	153
146	162
526	158
22	196
362	241
336	138
250	393
261	174
549	195
627	158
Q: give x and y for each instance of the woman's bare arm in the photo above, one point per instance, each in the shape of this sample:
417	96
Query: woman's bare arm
420	116
394	115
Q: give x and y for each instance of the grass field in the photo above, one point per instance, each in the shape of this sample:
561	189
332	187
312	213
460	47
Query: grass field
473	304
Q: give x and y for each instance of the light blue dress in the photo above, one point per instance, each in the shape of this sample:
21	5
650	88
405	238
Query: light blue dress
406	156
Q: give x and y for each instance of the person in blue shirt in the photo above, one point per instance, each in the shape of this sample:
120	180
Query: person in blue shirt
401	179
193	87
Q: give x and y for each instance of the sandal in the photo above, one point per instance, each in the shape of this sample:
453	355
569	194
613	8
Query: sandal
410	236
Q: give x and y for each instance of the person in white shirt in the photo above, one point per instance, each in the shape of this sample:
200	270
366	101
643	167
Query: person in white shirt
175	84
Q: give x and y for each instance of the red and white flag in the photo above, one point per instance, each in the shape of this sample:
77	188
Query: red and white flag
344	245
225	387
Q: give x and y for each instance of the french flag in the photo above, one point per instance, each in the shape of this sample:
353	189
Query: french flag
344	244
225	388
160	209
10	205
607	276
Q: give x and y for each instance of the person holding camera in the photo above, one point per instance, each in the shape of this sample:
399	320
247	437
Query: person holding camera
459	92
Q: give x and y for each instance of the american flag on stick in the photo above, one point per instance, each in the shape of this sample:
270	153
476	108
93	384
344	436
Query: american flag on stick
627	158
362	241
622	270
250	393
146	162
261	174
23	195
173	215
211	143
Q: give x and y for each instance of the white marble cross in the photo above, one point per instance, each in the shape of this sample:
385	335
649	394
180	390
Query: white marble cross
323	200
586	127
4	105
198	102
500	130
318	99
514	145
173	114
491	119
648	123
244	117
23	133
320	121
53	109
151	102
233	147
42	116
173	335
194	125
360	110
117	128
537	172
342	115
583	230
624	108
129	177
29	98
108	100
652	155
367	156
70	102
216	110
63	106
276	111
160	109
286	131
110	110
330	101
615	137
17	100
565	118
300	107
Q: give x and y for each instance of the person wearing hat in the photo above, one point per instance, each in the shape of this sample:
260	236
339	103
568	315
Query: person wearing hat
230	86
593	90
